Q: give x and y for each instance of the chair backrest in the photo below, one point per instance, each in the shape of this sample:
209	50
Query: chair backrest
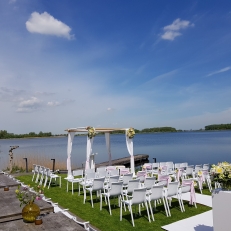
156	192
90	170
149	182
77	173
102	173
98	183
114	172
127	177
155	165
162	164
198	168
124	171
132	184
184	165
189	170
173	188
186	188
141	175
148	166
113	179
116	188
170	164
177	165
205	167
102	168
36	167
42	168
109	168
139	196
90	176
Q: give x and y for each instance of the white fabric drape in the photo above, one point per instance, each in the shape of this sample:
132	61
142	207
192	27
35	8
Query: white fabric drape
108	145
129	143
89	151
71	136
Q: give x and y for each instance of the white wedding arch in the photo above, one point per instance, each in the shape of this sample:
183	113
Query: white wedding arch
90	139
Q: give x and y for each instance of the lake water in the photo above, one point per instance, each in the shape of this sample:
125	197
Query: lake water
192	147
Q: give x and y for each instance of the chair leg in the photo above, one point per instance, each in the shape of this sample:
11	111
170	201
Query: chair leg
49	183
165	207
146	204
109	205
150	207
92	205
100	194
121	208
130	208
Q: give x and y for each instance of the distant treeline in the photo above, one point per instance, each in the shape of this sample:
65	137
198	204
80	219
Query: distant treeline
218	127
5	135
146	130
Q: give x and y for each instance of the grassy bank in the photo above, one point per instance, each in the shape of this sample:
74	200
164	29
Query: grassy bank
103	221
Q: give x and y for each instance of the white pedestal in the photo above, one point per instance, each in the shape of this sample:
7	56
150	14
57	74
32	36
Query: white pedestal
221	210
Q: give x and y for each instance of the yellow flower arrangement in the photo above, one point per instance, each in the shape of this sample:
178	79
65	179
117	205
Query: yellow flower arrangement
222	173
91	132
130	133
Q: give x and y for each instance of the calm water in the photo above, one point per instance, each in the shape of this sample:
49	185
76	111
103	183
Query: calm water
191	147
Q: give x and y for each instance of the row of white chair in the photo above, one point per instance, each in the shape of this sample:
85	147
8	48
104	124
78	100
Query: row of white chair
44	174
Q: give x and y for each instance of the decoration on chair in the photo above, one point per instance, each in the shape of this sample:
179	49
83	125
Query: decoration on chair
91	132
130	133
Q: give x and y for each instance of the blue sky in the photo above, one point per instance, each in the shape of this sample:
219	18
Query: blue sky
114	63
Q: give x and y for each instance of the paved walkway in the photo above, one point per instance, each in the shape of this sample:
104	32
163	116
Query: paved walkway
201	222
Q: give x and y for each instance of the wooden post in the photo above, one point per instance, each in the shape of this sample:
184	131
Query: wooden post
11	156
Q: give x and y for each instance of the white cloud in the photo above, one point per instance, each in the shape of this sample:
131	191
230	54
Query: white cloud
56	103
46	24
170	35
220	71
29	105
172	30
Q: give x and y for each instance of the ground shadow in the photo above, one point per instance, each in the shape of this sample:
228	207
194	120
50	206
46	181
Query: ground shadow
203	228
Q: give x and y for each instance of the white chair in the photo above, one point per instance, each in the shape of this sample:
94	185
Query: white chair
173	190
115	190
39	171
132	184
196	170
77	178
162	164
111	180
53	176
157	193
102	168
155	168
114	172
102	173
36	170
206	167
42	171
188	172
87	181
141	175
170	166
138	198
184	165
124	171
188	186
90	170
97	186
177	165
126	178
149	182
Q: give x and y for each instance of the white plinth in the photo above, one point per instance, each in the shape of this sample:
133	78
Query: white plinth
221	210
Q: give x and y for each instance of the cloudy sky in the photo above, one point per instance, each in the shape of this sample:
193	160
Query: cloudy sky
114	63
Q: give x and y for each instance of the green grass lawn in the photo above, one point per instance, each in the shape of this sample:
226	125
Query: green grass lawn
102	219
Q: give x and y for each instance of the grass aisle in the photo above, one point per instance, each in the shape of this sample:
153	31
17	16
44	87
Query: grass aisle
102	219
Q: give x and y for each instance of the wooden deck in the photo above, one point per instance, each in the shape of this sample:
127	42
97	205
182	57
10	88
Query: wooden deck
7	181
139	160
10	206
52	221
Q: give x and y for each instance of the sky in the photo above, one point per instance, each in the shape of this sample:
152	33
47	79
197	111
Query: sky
114	63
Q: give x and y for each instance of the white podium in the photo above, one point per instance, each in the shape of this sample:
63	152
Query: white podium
221	201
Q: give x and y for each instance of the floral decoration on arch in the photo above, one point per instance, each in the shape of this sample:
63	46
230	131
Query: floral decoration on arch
91	132
130	133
